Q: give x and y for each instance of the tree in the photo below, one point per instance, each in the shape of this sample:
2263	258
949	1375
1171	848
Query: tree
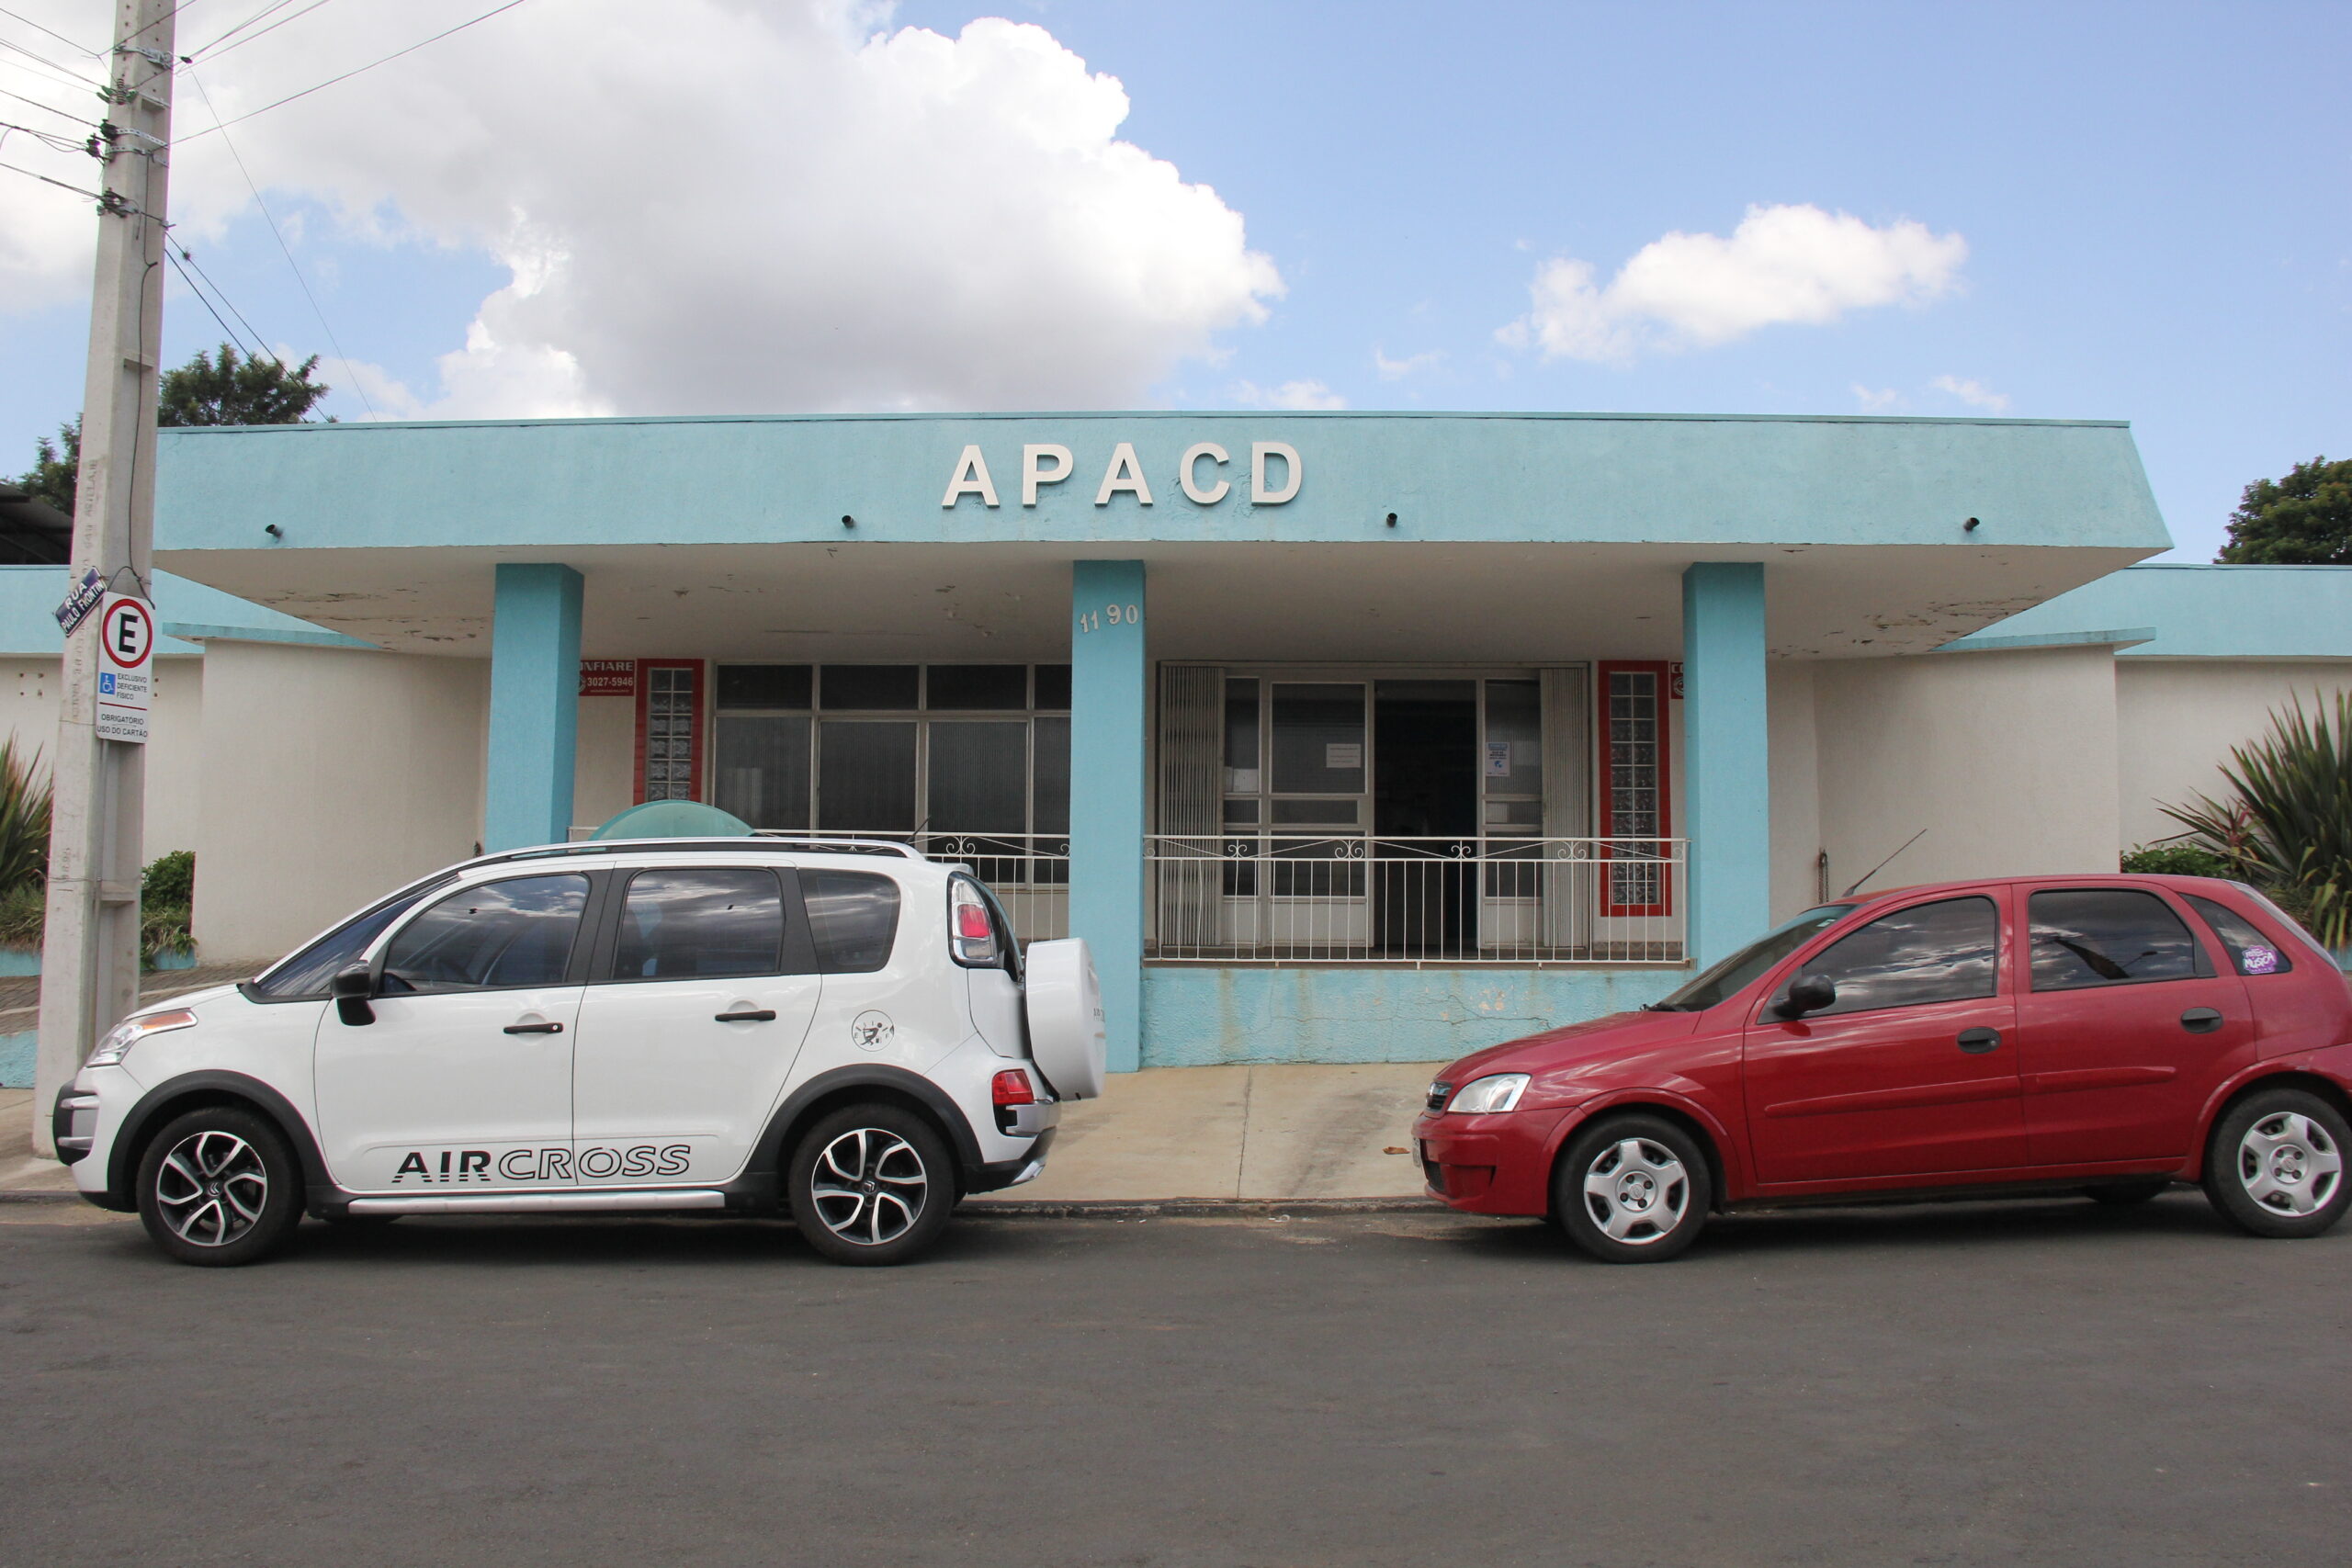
227	390
2304	519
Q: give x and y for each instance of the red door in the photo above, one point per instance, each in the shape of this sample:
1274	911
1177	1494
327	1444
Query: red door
2126	1026
1912	1071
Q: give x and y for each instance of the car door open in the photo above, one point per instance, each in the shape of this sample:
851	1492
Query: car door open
1909	1070
456	1073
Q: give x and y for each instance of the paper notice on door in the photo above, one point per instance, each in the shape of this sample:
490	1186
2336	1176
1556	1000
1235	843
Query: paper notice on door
1499	759
1342	756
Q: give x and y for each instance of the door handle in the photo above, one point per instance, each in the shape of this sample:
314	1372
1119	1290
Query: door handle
748	1015
1977	1041
2201	1020
535	1028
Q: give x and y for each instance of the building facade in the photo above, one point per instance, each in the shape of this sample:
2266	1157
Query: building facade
1341	737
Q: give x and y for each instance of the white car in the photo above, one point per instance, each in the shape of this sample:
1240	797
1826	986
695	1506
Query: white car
844	1031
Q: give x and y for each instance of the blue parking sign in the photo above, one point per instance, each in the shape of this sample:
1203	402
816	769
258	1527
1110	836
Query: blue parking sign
105	684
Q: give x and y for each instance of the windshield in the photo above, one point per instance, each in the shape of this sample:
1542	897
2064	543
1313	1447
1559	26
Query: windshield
1736	972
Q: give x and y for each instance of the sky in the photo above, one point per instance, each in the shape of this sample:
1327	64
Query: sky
2051	211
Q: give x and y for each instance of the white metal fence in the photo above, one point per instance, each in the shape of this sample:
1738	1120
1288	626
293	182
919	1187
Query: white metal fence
1275	899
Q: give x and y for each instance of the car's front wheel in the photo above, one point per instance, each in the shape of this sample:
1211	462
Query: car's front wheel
1632	1188
219	1188
871	1184
2276	1165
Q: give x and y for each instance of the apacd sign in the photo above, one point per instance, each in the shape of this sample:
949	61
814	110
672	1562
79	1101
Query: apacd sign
1275	474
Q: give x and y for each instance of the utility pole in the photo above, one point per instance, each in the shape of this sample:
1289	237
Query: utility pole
89	955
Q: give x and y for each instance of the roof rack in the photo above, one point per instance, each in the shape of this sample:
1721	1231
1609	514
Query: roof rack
758	843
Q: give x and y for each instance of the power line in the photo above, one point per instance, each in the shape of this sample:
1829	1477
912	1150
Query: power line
292	265
205	53
60	184
66	71
226	330
61	114
348	75
187	257
55	74
86	48
241	27
50	138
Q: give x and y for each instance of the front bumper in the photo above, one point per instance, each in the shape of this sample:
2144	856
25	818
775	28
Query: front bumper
1500	1164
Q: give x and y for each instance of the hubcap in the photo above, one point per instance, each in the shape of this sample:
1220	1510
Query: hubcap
211	1189
1636	1191
2288	1164
869	1186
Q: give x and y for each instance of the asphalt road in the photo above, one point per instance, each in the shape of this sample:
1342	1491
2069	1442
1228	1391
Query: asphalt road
2039	1383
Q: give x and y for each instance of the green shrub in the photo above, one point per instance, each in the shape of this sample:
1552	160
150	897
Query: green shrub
24	818
2289	827
21	908
2176	860
169	880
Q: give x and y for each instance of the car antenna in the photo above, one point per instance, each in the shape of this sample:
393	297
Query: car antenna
1884	863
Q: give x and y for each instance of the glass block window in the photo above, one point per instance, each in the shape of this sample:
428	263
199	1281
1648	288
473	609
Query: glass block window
1633	786
669	730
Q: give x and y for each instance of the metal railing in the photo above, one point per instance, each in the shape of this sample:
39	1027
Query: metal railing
1252	898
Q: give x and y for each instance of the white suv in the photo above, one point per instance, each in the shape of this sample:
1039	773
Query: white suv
842	1030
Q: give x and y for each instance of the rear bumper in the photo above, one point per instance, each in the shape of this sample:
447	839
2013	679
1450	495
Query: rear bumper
1490	1165
998	1175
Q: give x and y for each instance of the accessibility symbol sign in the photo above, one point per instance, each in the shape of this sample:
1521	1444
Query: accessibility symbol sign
125	675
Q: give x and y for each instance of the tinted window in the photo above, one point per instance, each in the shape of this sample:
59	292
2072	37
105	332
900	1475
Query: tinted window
2087	937
495	933
853	916
307	972
1944	951
1732	973
678	925
977	686
2253	953
889	687
764	685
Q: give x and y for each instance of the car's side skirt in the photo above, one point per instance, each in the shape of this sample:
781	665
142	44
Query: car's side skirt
609	1201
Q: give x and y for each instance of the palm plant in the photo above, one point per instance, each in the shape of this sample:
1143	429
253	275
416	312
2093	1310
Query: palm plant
24	818
2289	829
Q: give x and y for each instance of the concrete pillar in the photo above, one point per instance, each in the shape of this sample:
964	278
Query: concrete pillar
533	707
1110	707
1726	757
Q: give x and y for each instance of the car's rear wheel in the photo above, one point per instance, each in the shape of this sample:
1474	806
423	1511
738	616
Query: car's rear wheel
2125	1194
219	1188
2275	1166
1632	1188
871	1184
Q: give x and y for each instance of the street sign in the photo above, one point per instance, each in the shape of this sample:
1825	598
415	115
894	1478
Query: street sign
125	667
78	603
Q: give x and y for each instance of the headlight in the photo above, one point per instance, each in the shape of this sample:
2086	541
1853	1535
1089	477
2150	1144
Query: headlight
1499	1092
131	1031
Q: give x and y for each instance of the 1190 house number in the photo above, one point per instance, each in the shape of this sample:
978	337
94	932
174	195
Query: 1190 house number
1110	615
1275	474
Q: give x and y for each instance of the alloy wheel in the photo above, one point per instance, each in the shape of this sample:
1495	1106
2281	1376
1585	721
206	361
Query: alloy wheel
1636	1190
211	1189
2288	1163
869	1186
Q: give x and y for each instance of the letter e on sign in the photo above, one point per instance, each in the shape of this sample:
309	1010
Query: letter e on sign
126	671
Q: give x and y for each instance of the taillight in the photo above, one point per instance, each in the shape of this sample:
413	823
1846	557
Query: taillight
970	930
1012	1087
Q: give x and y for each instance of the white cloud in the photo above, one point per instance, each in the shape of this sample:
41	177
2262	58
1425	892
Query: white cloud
714	205
1782	264
1398	369
1289	395
1976	394
1886	400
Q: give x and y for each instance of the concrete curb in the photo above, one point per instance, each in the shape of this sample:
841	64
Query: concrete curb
37	1196
1191	1208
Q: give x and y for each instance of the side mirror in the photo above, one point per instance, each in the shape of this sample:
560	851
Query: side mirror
353	989
1809	992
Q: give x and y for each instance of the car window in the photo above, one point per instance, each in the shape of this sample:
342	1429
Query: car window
679	925
2249	950
1704	990
853	916
517	933
2087	937
1945	951
307	972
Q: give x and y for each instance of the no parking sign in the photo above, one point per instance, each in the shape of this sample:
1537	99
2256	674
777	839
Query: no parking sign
126	670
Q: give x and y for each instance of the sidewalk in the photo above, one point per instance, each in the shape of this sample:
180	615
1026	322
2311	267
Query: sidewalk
1272	1132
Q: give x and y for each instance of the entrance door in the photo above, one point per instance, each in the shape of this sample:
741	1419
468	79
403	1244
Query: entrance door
1912	1071
1425	804
691	1028
464	1080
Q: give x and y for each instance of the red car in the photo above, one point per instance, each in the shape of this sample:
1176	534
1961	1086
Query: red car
2100	1034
